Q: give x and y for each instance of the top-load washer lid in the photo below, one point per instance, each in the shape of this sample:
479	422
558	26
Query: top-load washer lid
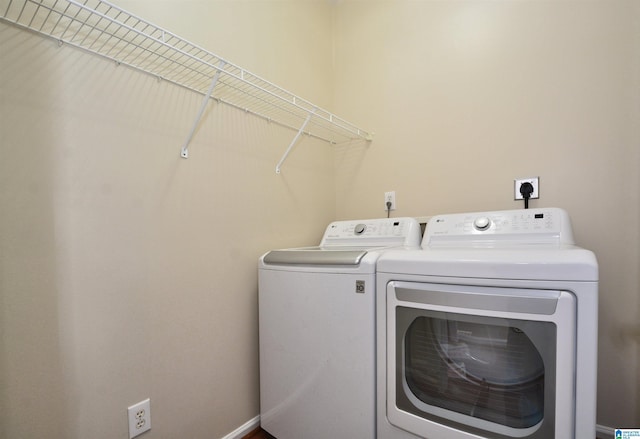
348	242
315	256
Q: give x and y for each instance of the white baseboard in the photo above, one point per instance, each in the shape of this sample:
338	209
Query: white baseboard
244	429
604	432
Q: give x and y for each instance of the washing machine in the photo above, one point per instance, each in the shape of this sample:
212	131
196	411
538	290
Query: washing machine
317	330
489	331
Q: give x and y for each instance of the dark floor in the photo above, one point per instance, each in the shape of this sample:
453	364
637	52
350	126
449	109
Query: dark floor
258	433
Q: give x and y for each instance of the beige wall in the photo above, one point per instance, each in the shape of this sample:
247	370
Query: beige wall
465	96
127	272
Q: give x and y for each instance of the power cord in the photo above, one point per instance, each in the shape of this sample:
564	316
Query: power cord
526	189
388	208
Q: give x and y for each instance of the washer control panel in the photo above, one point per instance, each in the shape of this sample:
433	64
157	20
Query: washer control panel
524	226
373	232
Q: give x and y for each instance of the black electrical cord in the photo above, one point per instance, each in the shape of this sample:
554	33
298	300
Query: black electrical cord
526	189
388	208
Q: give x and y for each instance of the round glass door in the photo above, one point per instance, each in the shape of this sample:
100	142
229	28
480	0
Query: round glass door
476	371
486	371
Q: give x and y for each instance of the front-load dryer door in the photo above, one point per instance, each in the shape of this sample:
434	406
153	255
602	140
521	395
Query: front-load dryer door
480	362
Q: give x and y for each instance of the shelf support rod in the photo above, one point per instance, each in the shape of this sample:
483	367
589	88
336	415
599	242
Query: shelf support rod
184	152
295	140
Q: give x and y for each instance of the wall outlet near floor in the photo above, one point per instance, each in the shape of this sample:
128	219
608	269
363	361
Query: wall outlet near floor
139	418
390	197
534	182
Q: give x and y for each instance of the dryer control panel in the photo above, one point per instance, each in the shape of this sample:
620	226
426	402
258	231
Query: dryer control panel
550	226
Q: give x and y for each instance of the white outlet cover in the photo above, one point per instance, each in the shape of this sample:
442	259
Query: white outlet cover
535	182
139	418
390	196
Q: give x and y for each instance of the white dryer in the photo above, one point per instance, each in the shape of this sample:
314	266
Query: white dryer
489	331
317	330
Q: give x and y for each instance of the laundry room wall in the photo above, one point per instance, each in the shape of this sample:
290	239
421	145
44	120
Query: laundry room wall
466	96
127	272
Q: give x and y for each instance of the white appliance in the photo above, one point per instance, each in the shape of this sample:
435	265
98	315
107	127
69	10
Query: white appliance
489	331
317	330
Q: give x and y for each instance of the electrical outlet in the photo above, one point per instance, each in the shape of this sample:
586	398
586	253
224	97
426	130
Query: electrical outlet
390	197
534	182
139	418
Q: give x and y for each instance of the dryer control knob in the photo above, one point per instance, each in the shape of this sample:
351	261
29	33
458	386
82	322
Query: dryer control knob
482	223
359	229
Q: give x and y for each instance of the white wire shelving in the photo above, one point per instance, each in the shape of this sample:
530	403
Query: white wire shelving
102	28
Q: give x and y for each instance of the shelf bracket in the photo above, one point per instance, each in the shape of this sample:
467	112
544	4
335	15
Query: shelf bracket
184	152
295	140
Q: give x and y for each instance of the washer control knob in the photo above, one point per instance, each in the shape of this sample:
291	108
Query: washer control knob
482	223
360	228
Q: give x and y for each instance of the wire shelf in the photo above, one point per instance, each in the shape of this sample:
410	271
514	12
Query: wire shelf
104	29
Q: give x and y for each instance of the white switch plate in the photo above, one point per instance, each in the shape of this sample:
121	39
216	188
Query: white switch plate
535	182
139	418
